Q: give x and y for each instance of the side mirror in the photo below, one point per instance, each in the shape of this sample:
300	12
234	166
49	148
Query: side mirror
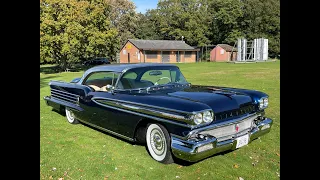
109	87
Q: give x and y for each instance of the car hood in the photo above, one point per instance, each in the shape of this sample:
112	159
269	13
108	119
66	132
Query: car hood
219	100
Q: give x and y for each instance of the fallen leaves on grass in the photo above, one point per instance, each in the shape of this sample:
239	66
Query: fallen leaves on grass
236	166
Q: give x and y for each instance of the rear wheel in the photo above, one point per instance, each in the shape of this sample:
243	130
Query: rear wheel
158	143
70	116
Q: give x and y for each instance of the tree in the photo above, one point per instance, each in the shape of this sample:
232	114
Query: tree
261	19
225	21
71	30
146	26
124	18
177	18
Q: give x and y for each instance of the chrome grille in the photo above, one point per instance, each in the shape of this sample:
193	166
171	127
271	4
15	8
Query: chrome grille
234	113
227	131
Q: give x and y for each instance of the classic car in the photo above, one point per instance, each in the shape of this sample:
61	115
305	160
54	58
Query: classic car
153	104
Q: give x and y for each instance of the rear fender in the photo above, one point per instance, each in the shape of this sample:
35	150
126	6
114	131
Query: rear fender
67	94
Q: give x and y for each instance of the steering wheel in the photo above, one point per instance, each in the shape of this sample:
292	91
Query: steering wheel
156	83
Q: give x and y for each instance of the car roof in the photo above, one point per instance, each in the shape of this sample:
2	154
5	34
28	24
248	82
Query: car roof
125	66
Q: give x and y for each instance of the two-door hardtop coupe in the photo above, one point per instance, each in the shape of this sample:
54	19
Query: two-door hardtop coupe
152	103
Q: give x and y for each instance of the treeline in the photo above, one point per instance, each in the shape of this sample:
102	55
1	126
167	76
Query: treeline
74	30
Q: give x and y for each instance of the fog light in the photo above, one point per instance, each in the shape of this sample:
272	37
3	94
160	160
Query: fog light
204	147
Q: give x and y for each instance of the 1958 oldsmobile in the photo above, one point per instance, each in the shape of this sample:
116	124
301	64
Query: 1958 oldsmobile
154	104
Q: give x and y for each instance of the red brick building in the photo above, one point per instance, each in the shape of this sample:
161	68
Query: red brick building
157	51
223	52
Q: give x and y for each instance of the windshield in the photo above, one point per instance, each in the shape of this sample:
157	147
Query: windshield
150	76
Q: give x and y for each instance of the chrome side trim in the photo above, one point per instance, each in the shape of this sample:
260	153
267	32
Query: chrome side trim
107	130
63	95
62	98
148	111
63	92
182	116
146	105
140	114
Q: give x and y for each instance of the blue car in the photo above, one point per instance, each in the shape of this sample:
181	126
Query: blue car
153	104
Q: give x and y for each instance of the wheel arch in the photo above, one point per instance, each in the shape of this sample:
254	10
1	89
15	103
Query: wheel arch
141	127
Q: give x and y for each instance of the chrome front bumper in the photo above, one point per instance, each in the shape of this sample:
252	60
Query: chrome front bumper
188	149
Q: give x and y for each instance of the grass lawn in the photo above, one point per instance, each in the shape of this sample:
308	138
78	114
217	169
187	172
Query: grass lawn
79	152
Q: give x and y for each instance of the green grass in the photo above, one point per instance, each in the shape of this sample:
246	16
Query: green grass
80	152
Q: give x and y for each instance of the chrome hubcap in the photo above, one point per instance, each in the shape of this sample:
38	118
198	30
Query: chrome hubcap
157	142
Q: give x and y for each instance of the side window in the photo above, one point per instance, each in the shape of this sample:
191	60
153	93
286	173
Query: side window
127	81
99	80
130	75
173	76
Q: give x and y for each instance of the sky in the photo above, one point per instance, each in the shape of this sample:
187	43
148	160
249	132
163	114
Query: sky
143	5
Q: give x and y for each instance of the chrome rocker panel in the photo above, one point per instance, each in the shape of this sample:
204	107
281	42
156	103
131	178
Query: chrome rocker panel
187	149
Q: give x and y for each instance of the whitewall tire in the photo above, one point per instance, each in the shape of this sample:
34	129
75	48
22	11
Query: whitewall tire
70	116
158	143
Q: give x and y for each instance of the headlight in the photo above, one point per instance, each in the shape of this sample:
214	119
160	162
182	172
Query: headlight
198	118
207	117
263	103
203	117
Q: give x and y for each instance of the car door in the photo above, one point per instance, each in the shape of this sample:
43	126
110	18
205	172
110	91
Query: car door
94	113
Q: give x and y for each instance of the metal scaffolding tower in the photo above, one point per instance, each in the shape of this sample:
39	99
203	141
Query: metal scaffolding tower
256	50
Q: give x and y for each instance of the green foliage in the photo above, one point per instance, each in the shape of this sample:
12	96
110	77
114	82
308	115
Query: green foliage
203	22
262	19
186	18
71	30
124	18
146	27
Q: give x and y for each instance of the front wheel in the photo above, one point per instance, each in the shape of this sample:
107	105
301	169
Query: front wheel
158	143
70	116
